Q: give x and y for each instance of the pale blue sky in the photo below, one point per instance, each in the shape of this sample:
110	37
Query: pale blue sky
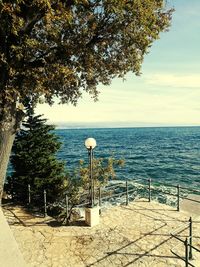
167	93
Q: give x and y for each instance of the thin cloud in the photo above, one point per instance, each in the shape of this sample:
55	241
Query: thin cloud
174	80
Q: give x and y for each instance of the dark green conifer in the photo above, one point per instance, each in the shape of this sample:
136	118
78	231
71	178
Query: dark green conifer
34	161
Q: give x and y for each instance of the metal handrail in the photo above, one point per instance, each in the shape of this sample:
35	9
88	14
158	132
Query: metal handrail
167	193
136	180
166	184
182	187
182	258
117	194
154	187
194	200
113	185
132	190
198	250
180	229
187	244
190	189
178	238
110	190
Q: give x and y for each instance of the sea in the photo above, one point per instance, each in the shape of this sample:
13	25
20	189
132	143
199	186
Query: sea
167	154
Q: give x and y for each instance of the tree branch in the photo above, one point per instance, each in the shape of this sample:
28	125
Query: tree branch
40	60
30	25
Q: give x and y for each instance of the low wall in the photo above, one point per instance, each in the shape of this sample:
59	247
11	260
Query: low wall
10	255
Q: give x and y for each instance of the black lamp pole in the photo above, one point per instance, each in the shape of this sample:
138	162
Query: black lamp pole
90	144
90	153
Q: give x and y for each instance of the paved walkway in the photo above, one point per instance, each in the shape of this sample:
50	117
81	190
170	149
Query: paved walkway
134	235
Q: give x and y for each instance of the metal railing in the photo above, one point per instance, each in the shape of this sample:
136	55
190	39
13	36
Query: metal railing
115	191
188	244
150	188
178	192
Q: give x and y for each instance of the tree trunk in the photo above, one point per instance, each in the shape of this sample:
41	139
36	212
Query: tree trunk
7	136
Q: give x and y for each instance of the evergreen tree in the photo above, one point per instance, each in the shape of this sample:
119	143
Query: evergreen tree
34	160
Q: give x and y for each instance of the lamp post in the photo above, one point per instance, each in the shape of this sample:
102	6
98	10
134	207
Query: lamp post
90	144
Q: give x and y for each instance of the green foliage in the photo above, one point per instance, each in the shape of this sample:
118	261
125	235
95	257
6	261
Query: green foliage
103	171
60	48
73	189
34	161
78	182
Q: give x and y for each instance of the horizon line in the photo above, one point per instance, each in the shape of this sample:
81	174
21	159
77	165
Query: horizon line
117	127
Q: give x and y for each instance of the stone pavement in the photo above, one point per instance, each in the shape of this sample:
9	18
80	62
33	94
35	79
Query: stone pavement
134	235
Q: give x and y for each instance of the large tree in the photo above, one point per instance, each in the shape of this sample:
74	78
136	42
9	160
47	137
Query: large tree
60	48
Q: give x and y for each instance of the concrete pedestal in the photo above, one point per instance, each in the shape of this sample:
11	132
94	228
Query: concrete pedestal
92	216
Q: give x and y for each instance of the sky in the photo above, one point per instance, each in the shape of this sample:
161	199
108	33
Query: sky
166	94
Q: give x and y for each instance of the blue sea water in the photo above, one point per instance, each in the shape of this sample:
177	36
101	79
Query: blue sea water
168	154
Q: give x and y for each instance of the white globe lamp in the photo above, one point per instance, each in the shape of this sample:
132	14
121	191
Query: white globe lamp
90	143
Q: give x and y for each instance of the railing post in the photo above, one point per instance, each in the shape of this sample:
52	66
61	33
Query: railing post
45	203
12	188
29	194
99	196
127	200
186	252
178	197
99	200
190	238
67	208
149	188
